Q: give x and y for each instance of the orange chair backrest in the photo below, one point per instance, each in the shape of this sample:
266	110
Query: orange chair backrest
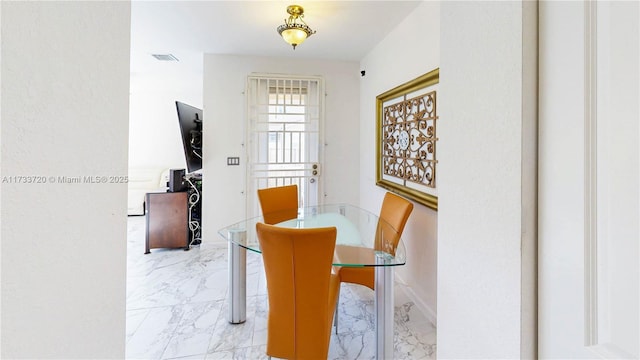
394	214
297	264
279	203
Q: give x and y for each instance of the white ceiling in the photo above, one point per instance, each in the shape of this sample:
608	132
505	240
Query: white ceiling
346	30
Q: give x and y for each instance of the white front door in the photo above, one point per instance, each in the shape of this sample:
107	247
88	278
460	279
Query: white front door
284	136
589	259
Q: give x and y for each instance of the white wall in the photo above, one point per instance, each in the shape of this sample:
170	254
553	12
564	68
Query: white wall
225	78
569	147
1	88
410	50
154	133
562	163
485	103
65	82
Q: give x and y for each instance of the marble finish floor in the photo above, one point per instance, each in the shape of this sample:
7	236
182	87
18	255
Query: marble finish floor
176	309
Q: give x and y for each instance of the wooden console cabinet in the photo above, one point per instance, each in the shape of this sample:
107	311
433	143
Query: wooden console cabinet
167	221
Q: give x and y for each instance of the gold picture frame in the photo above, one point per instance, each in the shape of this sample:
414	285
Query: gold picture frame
406	137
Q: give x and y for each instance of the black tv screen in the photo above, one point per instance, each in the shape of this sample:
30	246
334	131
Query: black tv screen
190	120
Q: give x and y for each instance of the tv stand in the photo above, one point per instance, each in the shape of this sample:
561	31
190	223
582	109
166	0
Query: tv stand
166	221
174	219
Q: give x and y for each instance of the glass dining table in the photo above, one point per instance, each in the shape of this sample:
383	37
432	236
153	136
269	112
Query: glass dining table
363	240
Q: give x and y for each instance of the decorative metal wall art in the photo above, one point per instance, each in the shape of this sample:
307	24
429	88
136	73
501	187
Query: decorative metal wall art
406	139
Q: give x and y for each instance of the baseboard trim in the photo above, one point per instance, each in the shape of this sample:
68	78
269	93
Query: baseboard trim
420	304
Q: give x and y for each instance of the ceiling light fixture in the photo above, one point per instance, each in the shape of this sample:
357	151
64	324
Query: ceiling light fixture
294	30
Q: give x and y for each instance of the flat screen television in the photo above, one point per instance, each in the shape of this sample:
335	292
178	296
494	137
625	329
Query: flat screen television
190	120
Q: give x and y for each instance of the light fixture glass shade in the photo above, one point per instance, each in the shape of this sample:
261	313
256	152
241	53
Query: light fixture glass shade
294	36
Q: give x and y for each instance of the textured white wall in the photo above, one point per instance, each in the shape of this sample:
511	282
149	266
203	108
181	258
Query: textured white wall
481	208
225	78
410	50
65	83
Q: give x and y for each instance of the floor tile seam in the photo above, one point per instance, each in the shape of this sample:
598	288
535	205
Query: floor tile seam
221	321
204	355
173	332
235	349
178	304
146	315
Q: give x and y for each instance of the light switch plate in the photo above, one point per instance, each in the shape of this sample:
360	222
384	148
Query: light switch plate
233	160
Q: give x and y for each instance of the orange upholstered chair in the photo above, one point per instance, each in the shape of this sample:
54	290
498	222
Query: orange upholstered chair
301	288
279	203
394	214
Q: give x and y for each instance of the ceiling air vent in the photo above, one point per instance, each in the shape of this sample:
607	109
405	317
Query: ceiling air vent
165	57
